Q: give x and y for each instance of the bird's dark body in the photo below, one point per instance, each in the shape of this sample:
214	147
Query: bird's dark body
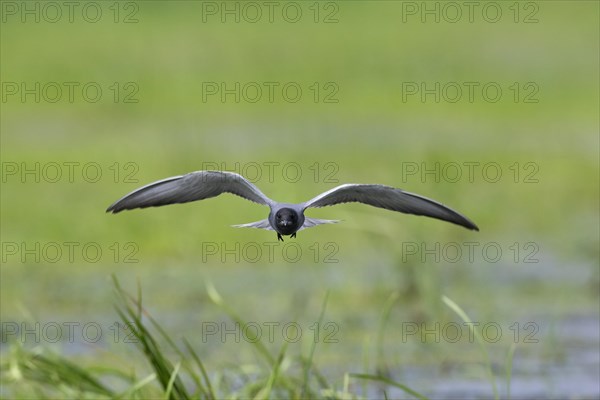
284	218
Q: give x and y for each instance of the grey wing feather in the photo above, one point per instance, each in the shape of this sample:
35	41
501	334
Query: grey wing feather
263	224
190	187
310	222
391	199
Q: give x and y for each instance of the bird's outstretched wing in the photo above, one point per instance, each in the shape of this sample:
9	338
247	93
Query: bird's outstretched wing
190	187
391	199
310	222
262	224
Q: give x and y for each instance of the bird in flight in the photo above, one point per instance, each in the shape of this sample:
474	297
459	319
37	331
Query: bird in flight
284	218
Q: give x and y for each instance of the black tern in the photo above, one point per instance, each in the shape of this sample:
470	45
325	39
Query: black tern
284	218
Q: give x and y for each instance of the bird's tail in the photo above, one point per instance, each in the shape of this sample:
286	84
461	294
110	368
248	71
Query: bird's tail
310	222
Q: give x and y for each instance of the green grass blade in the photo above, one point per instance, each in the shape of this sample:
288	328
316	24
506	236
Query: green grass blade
172	381
387	309
127	394
265	393
309	361
209	392
509	363
132	317
55	370
389	382
463	315
218	300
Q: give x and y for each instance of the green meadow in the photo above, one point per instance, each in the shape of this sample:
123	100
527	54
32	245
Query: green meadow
491	110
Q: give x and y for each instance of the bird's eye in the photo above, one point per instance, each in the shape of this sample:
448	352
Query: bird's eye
278	216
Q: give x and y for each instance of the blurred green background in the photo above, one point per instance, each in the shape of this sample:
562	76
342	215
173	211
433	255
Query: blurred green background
369	53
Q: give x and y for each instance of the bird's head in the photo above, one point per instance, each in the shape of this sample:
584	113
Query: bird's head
287	221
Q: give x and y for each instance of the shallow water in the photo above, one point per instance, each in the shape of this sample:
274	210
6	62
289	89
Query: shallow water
562	362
